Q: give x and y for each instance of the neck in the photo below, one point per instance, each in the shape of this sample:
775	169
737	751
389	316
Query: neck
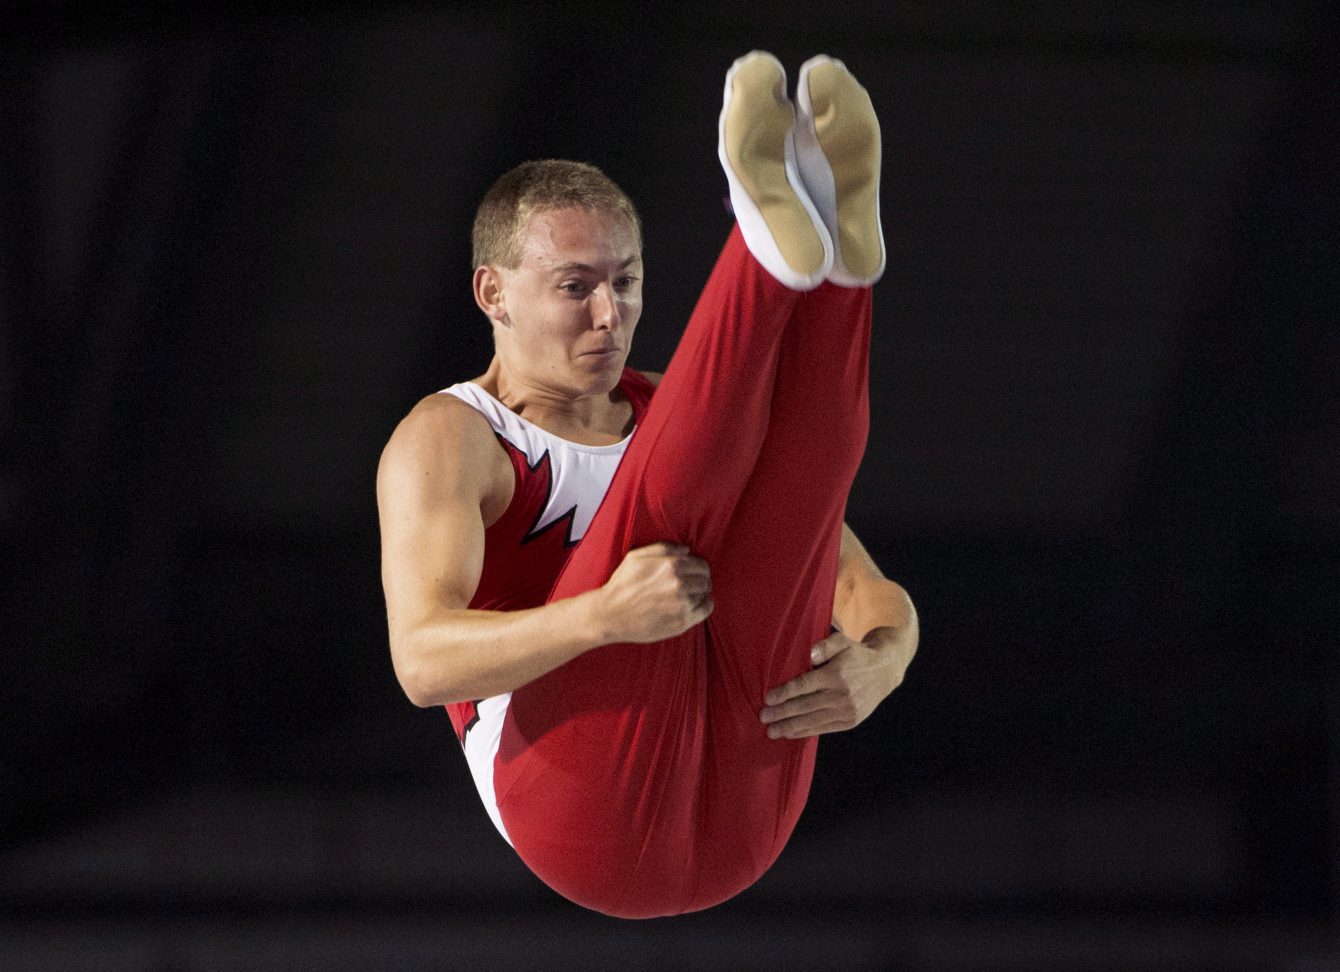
547	405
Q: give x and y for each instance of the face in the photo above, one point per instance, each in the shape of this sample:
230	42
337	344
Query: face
565	315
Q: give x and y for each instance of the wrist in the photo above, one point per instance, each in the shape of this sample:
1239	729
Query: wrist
596	623
894	647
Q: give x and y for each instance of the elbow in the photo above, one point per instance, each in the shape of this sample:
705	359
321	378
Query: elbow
418	695
415	678
414	688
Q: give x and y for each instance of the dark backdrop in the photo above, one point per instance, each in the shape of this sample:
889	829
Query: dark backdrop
1103	460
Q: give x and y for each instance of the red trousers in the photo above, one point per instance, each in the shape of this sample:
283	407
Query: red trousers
637	780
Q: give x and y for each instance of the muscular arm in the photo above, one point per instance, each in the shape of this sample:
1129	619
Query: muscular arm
433	479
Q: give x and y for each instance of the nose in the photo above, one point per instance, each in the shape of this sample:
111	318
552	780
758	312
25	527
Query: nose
607	312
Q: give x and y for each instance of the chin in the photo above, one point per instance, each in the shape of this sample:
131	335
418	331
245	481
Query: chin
604	377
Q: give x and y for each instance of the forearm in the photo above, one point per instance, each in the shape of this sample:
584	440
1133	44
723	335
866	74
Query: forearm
464	654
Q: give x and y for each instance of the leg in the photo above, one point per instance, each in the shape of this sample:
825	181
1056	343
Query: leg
636	779
775	577
613	744
820	418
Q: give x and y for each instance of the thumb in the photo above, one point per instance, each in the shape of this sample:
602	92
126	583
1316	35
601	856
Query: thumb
832	646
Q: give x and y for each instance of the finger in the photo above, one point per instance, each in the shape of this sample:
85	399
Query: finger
686	567
810	721
830	647
690	566
802	705
801	727
696	586
704	609
811	681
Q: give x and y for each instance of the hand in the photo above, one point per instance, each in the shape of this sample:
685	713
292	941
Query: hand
848	680
657	592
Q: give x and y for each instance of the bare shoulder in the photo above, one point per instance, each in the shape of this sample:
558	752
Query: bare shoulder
439	424
442	440
653	376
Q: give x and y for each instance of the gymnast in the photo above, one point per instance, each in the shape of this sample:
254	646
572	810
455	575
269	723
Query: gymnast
634	593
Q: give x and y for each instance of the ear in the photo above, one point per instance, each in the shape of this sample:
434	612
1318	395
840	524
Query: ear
488	288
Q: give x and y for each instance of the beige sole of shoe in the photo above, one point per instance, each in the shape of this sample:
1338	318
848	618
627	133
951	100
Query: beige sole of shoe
758	154
847	132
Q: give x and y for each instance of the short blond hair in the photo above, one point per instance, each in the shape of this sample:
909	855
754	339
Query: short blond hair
541	186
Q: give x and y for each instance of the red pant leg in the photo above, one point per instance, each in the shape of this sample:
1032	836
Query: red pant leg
604	770
781	553
785	530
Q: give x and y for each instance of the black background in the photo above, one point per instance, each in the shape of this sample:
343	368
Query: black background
1103	460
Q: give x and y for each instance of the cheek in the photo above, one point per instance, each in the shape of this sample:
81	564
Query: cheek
555	321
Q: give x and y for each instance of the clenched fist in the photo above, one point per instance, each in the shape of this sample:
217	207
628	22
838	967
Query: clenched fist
657	592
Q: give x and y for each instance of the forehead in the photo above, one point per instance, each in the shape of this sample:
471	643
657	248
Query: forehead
554	236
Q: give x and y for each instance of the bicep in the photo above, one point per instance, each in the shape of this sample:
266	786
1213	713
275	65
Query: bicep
432	531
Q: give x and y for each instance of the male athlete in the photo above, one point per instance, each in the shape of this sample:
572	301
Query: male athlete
640	710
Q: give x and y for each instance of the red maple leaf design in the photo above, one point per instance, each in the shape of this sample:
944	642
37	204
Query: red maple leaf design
537	482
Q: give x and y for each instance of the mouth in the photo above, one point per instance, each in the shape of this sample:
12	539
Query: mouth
607	352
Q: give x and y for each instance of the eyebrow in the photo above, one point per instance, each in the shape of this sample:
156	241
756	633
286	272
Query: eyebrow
587	268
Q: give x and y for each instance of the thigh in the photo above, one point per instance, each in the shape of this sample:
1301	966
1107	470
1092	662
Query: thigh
776	574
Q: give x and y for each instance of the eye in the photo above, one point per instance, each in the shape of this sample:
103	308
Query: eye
572	286
626	281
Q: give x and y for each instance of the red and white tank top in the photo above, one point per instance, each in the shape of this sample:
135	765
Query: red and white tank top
559	486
